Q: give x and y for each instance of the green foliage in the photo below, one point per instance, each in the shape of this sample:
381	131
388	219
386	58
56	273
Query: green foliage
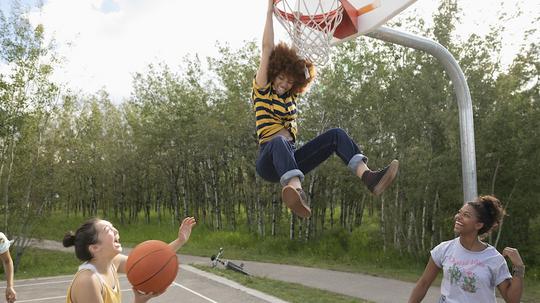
337	249
27	100
44	263
185	144
368	236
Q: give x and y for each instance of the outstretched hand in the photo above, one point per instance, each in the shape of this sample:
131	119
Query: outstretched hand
185	229
142	297
513	255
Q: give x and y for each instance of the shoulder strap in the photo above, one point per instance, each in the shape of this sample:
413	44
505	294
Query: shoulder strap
116	286
91	267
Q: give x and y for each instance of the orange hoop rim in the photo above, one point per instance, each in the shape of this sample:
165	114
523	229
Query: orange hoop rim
306	19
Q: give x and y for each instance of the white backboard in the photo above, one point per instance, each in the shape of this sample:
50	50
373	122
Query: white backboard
383	10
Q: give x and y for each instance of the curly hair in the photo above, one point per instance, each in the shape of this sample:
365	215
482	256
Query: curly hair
285	60
489	211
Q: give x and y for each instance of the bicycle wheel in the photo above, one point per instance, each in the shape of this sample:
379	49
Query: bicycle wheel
236	268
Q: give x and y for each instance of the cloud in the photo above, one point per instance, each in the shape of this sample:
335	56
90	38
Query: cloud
106	41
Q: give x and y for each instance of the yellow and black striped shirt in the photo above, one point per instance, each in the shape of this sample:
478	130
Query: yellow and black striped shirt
273	112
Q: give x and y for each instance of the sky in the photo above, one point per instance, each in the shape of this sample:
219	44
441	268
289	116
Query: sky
104	42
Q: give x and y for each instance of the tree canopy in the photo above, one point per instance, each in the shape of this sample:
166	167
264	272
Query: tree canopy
184	143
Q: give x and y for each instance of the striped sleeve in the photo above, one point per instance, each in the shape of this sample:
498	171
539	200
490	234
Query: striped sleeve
260	92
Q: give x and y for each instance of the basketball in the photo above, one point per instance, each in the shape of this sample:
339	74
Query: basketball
151	266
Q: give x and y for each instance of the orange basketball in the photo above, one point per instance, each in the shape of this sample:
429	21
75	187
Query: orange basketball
151	266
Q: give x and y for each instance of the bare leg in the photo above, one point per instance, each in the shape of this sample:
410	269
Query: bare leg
295	199
361	169
295	182
378	181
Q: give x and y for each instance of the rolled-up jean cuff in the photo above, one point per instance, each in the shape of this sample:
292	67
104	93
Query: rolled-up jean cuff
291	174
355	161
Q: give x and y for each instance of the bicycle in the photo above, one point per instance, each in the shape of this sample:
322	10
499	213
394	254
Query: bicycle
228	264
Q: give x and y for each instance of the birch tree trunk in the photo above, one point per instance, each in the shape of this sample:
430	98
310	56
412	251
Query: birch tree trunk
434	221
8	182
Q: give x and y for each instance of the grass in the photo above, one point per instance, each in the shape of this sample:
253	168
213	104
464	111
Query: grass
291	292
55	227
359	251
43	263
333	251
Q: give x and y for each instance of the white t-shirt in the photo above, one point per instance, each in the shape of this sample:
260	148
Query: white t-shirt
469	276
4	243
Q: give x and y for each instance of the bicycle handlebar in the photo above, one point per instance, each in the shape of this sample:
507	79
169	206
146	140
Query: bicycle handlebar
216	258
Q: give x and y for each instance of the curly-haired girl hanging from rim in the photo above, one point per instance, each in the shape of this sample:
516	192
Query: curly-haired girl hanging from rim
282	76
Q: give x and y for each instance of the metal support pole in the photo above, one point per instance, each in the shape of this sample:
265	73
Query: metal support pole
461	89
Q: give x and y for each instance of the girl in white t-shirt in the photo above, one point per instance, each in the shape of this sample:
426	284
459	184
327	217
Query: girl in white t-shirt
472	268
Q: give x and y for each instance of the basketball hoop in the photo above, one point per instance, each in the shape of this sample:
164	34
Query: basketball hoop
311	25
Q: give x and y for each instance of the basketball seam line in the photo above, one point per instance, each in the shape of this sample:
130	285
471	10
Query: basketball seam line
157	272
141	258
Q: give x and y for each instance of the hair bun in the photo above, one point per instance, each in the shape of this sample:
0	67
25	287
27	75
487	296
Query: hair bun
490	212
69	239
490	206
494	207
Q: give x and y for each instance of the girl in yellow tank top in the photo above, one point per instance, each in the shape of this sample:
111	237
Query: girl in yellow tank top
108	293
97	243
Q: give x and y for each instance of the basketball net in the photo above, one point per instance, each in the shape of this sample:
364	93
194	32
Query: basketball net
311	25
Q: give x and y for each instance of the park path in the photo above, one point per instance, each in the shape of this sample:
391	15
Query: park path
375	289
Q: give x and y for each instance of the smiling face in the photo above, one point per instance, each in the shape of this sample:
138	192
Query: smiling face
108	239
466	221
282	84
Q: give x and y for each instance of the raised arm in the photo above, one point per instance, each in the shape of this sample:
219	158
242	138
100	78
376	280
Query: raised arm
267	46
423	284
183	236
183	233
512	289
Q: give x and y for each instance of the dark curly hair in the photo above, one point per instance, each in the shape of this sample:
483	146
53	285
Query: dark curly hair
488	211
285	60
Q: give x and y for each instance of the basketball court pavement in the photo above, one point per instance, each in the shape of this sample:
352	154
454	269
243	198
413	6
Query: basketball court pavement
190	286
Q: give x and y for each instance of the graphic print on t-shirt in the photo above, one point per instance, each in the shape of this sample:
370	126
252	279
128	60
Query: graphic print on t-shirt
465	279
469	276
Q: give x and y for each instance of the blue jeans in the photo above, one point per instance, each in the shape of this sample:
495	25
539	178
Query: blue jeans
279	160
